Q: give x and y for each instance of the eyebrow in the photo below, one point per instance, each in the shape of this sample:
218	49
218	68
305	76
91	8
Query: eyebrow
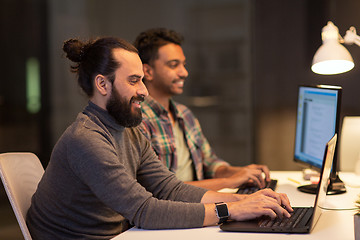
175	61
135	76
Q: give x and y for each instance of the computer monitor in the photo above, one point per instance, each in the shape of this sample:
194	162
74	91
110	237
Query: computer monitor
318	114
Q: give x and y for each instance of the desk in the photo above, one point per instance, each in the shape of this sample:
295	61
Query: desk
333	224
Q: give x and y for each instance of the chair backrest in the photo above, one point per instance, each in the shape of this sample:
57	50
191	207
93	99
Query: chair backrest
349	147
20	174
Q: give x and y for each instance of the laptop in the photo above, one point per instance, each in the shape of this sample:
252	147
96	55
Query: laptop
303	219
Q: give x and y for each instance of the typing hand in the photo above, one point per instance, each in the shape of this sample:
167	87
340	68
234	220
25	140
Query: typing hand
262	203
253	175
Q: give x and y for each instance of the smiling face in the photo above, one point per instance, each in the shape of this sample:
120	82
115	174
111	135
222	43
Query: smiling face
167	73
128	90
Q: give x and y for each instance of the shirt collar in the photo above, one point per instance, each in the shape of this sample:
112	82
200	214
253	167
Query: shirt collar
159	109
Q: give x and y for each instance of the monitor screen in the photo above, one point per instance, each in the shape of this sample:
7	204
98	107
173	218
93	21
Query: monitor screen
317	121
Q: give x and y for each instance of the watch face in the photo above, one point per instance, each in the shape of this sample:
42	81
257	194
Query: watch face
222	212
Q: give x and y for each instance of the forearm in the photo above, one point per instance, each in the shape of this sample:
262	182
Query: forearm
160	214
210	198
210	218
213	197
226	171
214	184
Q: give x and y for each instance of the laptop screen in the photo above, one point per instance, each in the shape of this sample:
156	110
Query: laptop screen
317	121
324	179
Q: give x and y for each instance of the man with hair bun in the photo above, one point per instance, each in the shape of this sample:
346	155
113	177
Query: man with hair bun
103	176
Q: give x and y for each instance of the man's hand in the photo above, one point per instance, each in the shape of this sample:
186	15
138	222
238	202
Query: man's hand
262	203
241	207
254	174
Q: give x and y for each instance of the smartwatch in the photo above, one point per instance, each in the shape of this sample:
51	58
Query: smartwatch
222	212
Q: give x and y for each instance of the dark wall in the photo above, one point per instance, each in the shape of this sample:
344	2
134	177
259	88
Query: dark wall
23	27
286	35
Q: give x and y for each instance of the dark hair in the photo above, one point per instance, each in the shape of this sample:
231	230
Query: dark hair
94	57
149	42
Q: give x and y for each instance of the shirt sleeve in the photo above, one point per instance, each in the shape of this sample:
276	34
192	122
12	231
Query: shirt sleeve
132	181
211	162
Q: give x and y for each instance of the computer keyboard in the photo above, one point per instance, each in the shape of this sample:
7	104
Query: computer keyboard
291	222
246	189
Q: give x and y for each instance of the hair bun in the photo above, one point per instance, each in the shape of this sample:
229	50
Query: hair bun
74	50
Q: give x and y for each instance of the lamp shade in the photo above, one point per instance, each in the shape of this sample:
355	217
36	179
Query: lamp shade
331	57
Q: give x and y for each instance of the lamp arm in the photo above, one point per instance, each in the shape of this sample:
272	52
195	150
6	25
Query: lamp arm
357	41
351	37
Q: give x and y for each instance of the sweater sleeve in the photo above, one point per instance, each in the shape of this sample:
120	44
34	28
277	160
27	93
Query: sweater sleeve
129	179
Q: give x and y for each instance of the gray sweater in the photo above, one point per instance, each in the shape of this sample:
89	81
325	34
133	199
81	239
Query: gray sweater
101	177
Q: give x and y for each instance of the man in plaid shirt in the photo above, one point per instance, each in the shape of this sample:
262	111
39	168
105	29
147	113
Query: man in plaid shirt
173	130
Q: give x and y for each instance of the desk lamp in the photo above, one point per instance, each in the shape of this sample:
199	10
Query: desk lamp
332	57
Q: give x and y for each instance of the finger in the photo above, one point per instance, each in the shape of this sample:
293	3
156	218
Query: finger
266	170
258	174
279	210
286	213
263	169
282	200
266	196
270	193
254	180
262	180
286	202
269	212
271	204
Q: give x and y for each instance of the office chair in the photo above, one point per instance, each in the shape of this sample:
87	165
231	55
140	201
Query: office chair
349	147
20	174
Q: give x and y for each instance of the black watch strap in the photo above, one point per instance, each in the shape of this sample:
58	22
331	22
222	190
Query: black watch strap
222	212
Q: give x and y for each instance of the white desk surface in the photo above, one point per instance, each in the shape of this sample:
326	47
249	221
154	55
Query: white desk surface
333	224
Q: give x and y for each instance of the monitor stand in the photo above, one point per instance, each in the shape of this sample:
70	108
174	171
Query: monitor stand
336	186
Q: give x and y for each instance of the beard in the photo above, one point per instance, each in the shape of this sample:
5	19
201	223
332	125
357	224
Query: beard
120	109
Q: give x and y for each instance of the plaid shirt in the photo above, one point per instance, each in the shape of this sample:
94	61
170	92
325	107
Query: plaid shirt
157	127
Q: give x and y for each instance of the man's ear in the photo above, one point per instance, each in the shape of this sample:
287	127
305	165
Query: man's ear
148	72
102	85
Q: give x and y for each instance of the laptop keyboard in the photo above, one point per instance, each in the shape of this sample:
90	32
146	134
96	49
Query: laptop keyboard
245	189
290	222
